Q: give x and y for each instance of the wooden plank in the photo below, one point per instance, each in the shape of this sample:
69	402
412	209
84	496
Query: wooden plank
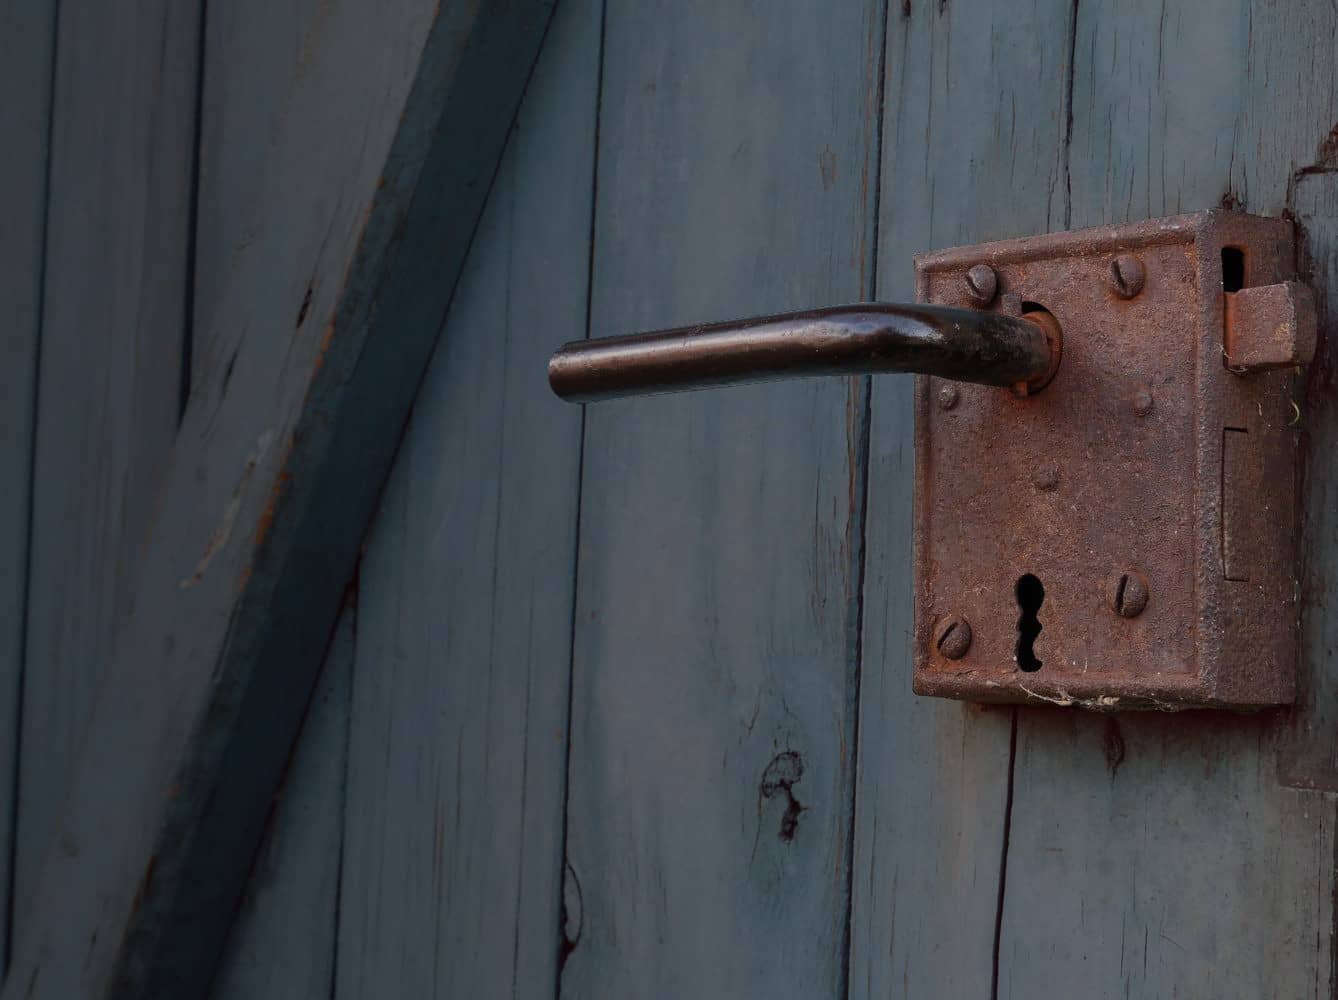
319	342
715	674
454	828
282	943
1309	757
253	52
114	325
1151	855
975	123
27	48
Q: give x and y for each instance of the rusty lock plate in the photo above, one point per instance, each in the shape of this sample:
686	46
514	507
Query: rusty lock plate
1125	538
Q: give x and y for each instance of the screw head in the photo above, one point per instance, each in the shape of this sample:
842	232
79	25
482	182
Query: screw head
1141	401
982	283
948	396
1045	478
1129	594
1127	275
952	637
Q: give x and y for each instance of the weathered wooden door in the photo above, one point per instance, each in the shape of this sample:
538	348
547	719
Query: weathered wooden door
620	705
746	799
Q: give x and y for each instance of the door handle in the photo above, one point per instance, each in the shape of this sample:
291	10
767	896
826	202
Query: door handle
1125	539
987	348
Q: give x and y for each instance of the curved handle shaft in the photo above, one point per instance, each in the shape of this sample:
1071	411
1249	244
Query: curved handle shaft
963	344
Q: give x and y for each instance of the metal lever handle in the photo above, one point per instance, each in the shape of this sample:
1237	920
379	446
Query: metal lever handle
962	344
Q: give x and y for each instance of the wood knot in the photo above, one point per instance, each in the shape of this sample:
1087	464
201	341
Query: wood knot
779	778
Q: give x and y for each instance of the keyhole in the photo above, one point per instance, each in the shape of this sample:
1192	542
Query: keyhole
1030	595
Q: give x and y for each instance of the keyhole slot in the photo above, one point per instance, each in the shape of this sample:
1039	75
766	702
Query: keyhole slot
1233	269
1030	595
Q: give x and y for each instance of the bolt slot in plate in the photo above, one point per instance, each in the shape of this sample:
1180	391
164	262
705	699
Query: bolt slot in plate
1113	473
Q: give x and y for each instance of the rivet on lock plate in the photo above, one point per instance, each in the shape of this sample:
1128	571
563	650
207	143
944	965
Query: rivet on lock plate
1105	453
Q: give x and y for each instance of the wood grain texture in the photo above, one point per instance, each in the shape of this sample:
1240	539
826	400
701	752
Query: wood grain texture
282	943
319	341
974	150
453	850
1156	856
715	674
254	51
27	50
114	324
1309	757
